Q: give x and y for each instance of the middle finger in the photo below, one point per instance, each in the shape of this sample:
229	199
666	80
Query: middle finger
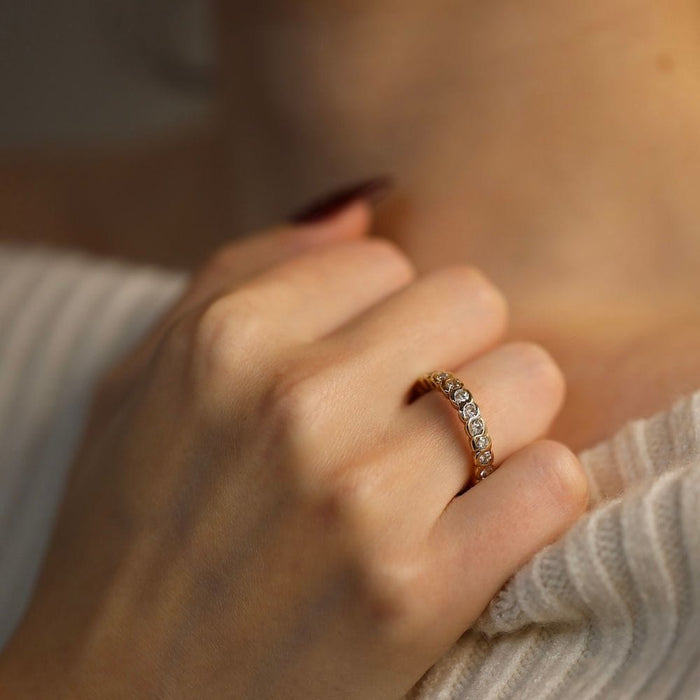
443	319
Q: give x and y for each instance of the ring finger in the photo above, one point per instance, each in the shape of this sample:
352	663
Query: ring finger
519	390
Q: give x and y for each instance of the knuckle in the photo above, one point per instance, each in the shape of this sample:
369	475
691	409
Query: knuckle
473	285
342	504
389	588
295	393
541	366
383	574
296	409
386	573
562	475
390	257
227	329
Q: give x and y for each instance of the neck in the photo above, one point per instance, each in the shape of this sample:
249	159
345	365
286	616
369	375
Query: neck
555	145
548	143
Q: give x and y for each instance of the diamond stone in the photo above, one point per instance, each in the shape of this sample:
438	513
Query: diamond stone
440	377
485	458
469	411
449	385
476	427
481	442
483	473
460	396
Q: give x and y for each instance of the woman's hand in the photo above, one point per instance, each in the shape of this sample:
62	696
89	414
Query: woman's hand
258	512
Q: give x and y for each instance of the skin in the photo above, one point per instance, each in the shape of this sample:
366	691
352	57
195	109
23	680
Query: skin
239	523
554	146
559	154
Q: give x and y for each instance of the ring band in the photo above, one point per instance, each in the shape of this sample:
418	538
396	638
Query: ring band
474	424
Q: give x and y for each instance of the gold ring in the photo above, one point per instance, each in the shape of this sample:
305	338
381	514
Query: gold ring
474	424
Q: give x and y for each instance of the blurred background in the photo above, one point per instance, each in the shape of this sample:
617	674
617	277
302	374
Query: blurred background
107	126
102	69
156	130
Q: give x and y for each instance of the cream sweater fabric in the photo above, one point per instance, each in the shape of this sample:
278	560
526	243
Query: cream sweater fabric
612	610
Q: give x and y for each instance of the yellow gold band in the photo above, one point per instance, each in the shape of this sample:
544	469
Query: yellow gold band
470	414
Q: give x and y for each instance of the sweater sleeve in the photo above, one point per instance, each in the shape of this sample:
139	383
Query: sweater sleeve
64	318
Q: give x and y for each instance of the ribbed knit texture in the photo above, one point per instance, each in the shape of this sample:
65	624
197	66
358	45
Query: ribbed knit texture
611	610
63	319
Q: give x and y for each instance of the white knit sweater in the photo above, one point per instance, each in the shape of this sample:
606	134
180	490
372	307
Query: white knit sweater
612	610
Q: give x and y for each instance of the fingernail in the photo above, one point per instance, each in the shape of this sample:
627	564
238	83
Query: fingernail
372	190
